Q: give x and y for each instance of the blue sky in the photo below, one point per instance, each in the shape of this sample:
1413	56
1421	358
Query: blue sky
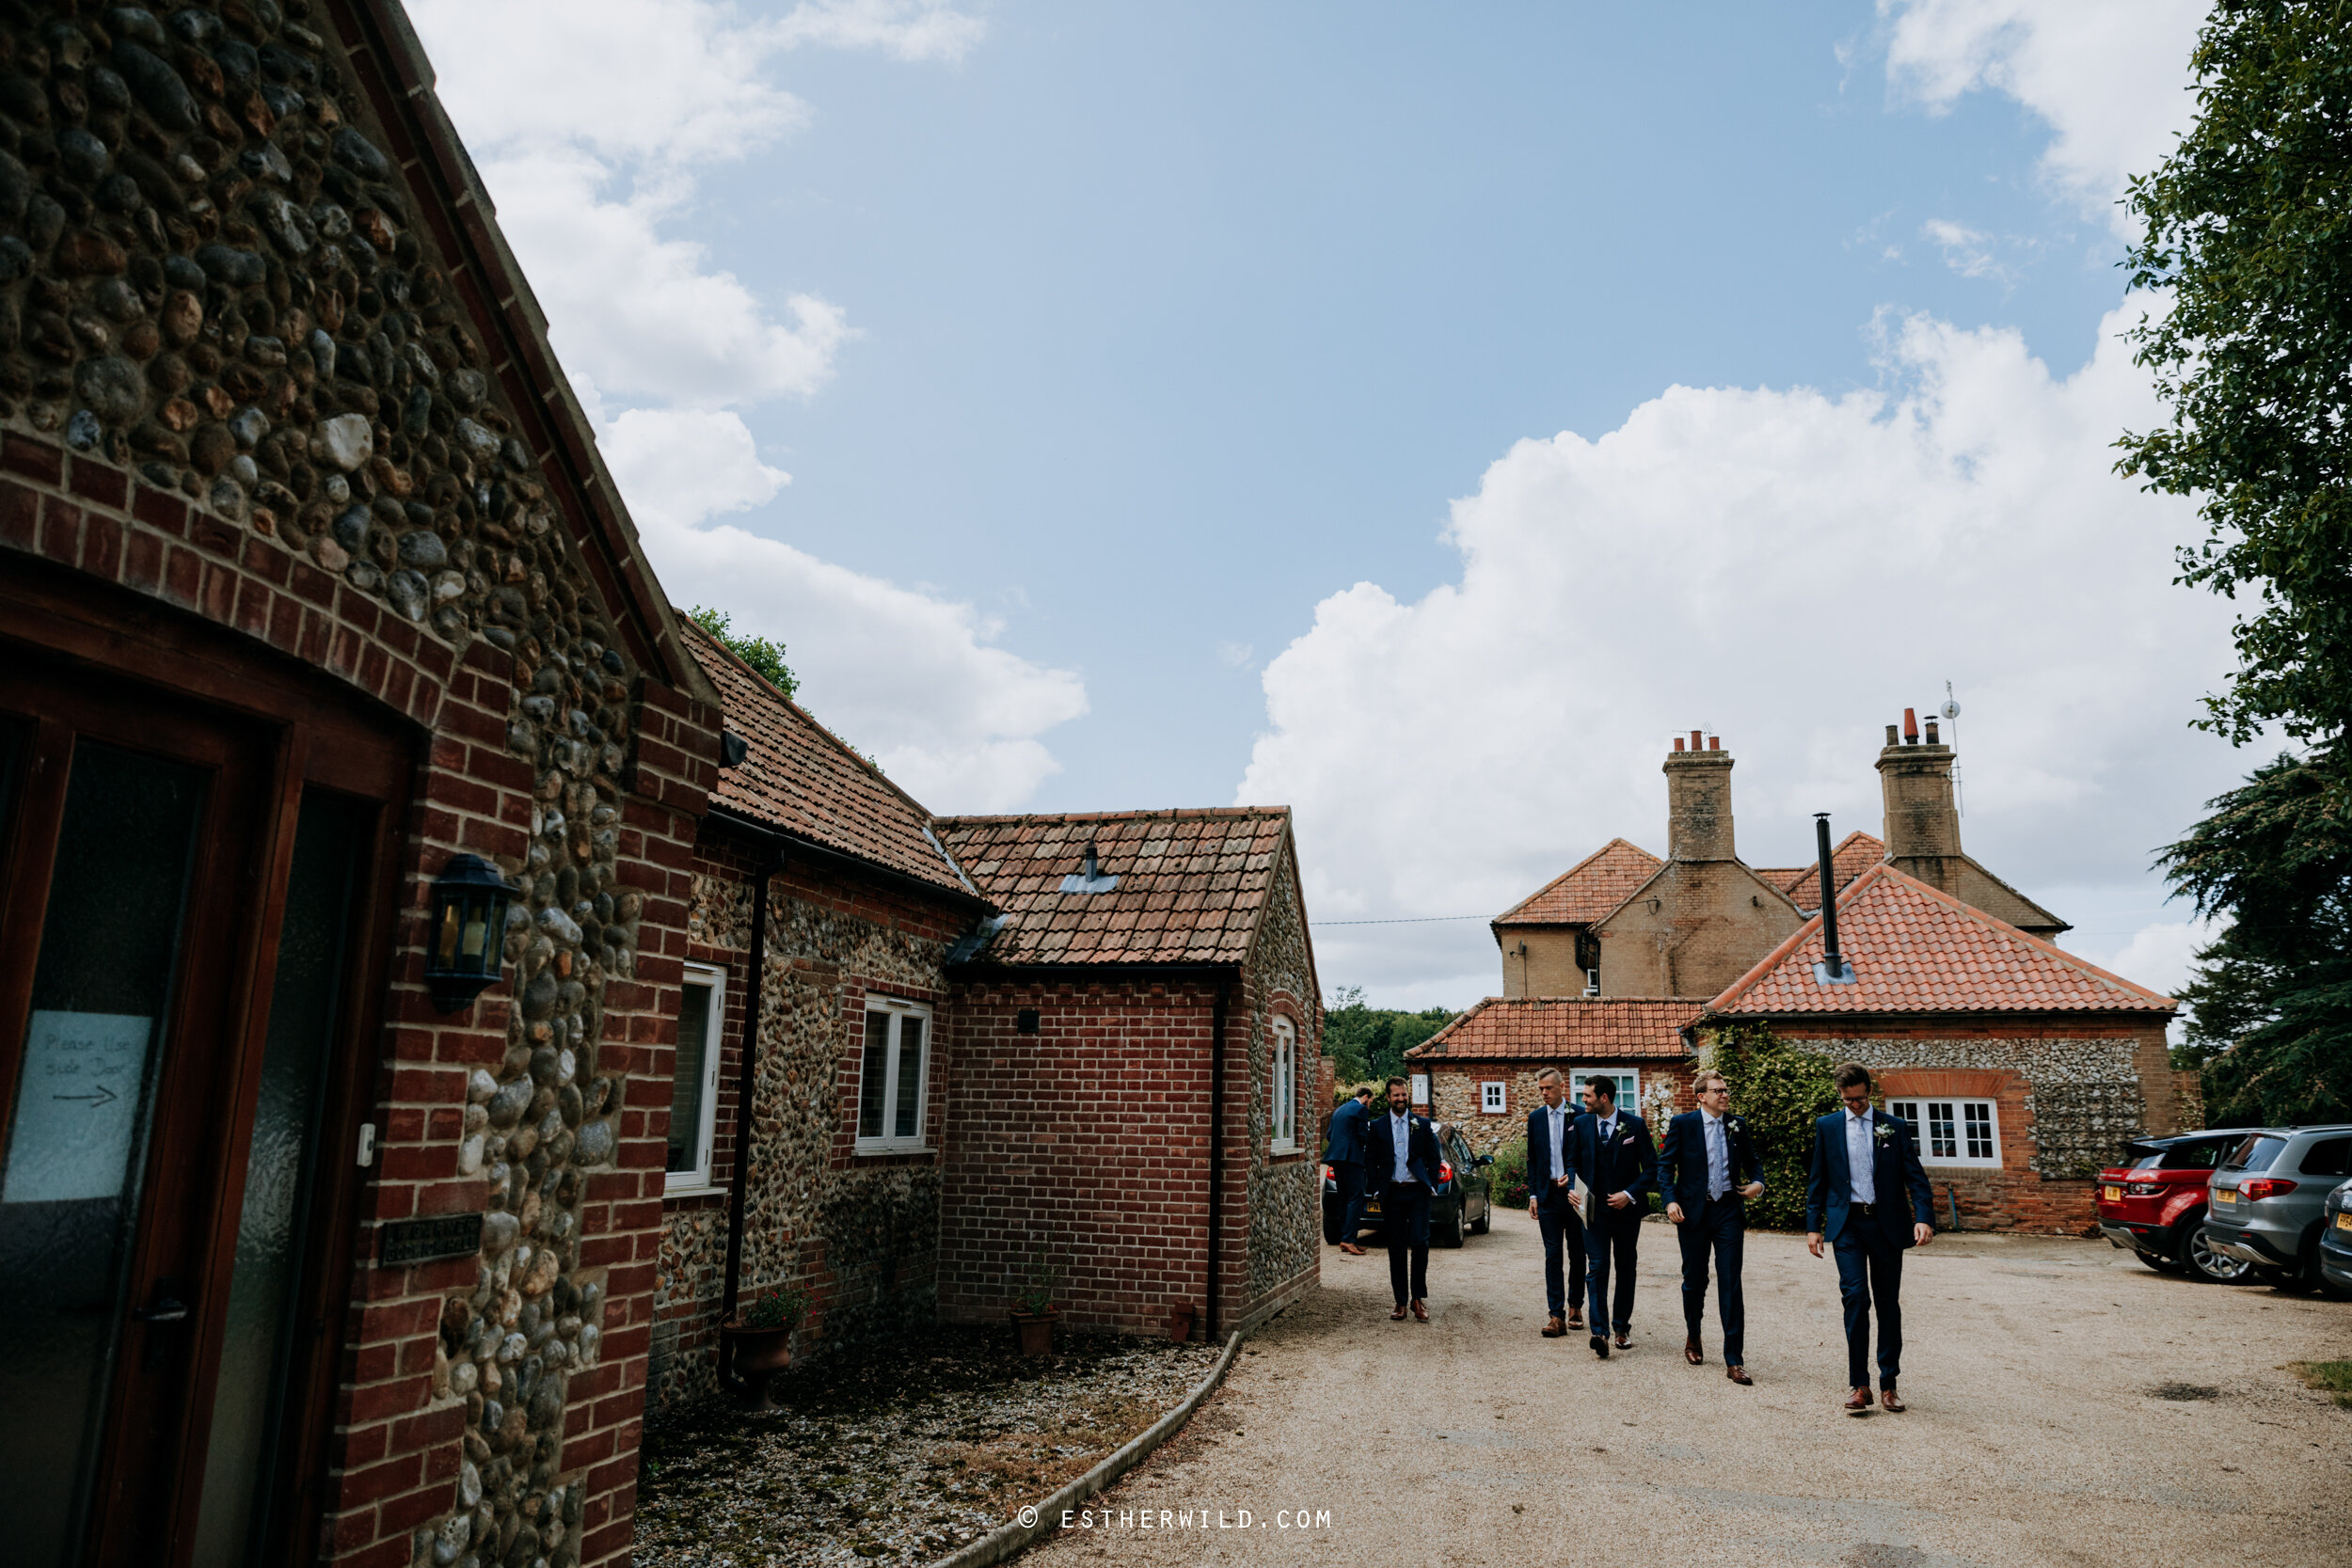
1170	397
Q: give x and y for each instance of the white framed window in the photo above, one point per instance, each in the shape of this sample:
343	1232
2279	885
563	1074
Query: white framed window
1282	1101
1628	1086
894	1080
694	1088
1592	982
1493	1100
1952	1131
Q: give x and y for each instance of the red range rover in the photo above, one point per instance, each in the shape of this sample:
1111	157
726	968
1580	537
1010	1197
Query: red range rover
2155	1203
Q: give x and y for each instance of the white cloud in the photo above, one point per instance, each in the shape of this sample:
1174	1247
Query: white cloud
2160	956
682	466
910	29
1967	251
1790	571
1235	655
2110	76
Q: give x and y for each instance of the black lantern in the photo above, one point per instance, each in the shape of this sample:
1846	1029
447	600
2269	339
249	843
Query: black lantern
469	944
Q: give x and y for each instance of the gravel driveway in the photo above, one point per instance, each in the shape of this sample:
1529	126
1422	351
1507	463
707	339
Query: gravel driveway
2066	1405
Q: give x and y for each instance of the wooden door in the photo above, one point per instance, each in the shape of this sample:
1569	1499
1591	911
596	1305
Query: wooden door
191	892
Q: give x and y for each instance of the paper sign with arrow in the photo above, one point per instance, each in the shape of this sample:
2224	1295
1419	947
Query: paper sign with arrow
78	1106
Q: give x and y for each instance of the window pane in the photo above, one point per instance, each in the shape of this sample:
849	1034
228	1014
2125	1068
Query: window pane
686	1088
909	1122
2326	1157
1943	1140
1980	1132
873	1084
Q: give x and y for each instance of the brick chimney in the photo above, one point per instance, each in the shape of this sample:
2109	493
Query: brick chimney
1698	801
1922	820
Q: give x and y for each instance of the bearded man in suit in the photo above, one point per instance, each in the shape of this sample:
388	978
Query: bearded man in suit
1401	1159
1708	1170
1613	1157
1551	1198
1868	1197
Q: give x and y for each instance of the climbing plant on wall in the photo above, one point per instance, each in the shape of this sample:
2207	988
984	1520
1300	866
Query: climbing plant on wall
1778	1091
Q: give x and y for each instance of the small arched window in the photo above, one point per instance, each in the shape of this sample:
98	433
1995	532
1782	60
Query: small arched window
1284	1099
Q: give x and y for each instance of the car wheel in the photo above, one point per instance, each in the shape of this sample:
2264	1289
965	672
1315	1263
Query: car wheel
2278	1280
2211	1266
1331	1224
1486	1219
1448	1231
2162	1265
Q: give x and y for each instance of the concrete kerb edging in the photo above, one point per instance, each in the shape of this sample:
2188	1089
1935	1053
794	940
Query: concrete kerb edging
1006	1540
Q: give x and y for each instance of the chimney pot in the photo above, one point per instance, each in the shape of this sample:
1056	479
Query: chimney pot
1911	727
1678	743
1694	740
1714	743
1932	740
1890	735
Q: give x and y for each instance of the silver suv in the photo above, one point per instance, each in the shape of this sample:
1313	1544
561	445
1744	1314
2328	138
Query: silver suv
2268	1196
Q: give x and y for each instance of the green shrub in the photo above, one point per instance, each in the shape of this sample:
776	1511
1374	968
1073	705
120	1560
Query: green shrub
1776	1091
1510	1173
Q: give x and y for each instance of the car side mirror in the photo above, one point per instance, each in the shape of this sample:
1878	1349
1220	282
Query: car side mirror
1485	1159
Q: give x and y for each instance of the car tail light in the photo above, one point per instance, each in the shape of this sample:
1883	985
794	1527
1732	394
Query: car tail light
1326	1173
2263	1186
1445	1170
2142	1189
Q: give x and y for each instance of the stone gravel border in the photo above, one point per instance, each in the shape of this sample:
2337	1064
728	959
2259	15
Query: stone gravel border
1013	1537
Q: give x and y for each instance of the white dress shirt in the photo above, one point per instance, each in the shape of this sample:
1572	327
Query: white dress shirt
1401	1137
1718	1155
1860	1150
1559	1115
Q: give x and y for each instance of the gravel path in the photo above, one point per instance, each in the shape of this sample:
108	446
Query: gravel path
898	1455
2039	1431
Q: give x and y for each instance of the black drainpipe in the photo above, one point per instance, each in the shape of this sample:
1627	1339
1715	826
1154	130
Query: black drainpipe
1833	967
739	1185
1217	1143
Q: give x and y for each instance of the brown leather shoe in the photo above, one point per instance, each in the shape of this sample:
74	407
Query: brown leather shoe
1351	1249
1739	1375
1576	1319
1553	1327
1858	1402
1397	1316
1894	1406
1419	1312
1691	1352
1625	1342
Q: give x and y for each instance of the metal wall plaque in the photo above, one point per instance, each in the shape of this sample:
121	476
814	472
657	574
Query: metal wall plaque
421	1240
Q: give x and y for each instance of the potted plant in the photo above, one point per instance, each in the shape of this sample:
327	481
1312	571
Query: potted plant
760	1338
1033	1313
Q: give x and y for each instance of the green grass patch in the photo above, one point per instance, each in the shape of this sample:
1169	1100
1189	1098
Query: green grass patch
2333	1377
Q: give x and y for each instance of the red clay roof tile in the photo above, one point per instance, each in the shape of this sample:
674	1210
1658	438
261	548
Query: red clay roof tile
1587	890
1192	884
1917	950
1565	1030
1856	853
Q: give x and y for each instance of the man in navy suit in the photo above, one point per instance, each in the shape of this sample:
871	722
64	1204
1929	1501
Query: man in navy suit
1551	1198
1869	1198
1613	1157
1401	1171
1708	1170
1344	1152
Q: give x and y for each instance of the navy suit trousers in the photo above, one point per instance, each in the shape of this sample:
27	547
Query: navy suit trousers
1617	1232
1870	1265
1563	1234
1349	1177
1720	1227
1404	1222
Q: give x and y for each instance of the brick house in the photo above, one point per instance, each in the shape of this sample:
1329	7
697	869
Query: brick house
1482	1066
1137	1049
823	905
314	583
2024	1067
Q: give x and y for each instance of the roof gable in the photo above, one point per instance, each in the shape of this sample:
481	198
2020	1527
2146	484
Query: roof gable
1587	890
1565	1030
1192	885
1917	950
799	776
1855	853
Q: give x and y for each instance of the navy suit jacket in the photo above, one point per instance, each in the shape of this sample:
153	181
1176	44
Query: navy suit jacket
1422	1154
1682	1160
1344	1144
1628	1164
1539	1171
1901	1181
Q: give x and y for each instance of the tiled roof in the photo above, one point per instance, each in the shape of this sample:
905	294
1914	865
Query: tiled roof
1915	950
1856	853
1565	1029
1192	884
798	777
1587	890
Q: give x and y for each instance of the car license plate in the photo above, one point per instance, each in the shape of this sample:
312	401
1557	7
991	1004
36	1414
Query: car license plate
2224	1194
2112	1194
2343	1221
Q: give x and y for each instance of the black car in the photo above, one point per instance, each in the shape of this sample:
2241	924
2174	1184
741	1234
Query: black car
1462	1206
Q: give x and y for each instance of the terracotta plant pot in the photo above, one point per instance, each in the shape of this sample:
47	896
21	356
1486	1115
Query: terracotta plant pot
759	1351
1036	1330
1179	1323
